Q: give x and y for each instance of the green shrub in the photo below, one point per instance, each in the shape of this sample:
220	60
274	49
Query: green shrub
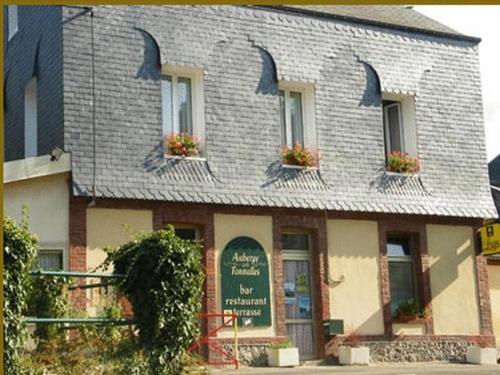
19	254
164	278
48	298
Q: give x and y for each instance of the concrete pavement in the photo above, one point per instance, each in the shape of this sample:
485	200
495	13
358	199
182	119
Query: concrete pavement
376	369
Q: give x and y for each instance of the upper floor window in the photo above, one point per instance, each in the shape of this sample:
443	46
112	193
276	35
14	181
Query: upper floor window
399	124
182	101
401	271
30	119
297	114
393	126
13	20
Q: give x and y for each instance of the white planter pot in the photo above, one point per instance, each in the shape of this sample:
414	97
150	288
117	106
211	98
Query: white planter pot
481	356
283	357
354	356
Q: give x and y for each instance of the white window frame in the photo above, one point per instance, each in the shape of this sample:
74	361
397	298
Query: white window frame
388	145
31	118
197	100
308	112
57	247
13	19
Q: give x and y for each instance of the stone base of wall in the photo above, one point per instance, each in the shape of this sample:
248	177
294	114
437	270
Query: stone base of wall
426	351
250	355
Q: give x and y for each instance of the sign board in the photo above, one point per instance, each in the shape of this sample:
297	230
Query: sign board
245	282
490	239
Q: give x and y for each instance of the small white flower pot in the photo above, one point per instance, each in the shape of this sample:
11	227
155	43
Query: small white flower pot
481	356
354	356
283	357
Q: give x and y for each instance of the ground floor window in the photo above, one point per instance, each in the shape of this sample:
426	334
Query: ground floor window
401	271
50	259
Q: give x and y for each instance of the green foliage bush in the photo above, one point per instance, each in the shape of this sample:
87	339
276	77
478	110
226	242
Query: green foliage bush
19	254
48	297
164	278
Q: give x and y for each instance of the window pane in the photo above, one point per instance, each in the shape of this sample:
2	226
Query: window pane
184	101
394	128
402	286
166	90
282	117
186	233
295	241
398	247
296	118
50	260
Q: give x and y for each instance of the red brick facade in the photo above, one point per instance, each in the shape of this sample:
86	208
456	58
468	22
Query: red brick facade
314	222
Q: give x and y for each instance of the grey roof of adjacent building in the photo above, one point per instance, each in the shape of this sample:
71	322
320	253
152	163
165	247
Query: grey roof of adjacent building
494	171
393	16
244	51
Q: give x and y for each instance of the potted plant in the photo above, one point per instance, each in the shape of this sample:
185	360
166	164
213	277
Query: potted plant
400	162
181	144
299	156
352	352
482	353
282	355
410	311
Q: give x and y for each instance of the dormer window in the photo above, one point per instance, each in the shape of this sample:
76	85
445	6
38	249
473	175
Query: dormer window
393	127
182	101
297	114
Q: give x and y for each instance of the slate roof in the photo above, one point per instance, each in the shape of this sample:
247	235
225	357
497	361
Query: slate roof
242	51
398	16
494	171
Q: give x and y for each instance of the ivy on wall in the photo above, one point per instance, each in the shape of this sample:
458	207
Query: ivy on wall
163	282
19	254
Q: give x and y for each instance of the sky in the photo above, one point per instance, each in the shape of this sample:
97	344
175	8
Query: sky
482	21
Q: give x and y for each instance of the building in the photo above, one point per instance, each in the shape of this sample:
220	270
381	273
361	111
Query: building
91	95
494	260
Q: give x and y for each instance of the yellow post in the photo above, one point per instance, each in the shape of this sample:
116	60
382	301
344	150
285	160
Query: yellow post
236	353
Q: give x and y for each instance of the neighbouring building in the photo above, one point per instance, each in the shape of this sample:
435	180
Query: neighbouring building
297	252
494	260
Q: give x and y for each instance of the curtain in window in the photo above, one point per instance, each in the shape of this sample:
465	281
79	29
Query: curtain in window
50	261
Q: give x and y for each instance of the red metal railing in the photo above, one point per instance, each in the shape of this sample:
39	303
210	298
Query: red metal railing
209	340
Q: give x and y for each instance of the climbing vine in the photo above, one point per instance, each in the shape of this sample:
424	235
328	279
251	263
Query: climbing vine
19	254
163	282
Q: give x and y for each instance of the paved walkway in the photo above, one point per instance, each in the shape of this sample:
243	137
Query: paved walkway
377	369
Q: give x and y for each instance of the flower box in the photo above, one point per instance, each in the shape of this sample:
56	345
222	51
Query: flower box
299	156
282	357
481	356
402	163
349	355
182	145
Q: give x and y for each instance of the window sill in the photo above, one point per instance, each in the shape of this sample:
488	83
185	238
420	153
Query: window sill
401	174
411	321
298	167
177	157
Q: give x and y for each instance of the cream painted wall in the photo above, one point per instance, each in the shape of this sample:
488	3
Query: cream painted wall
48	201
353	253
227	227
455	308
113	227
494	280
